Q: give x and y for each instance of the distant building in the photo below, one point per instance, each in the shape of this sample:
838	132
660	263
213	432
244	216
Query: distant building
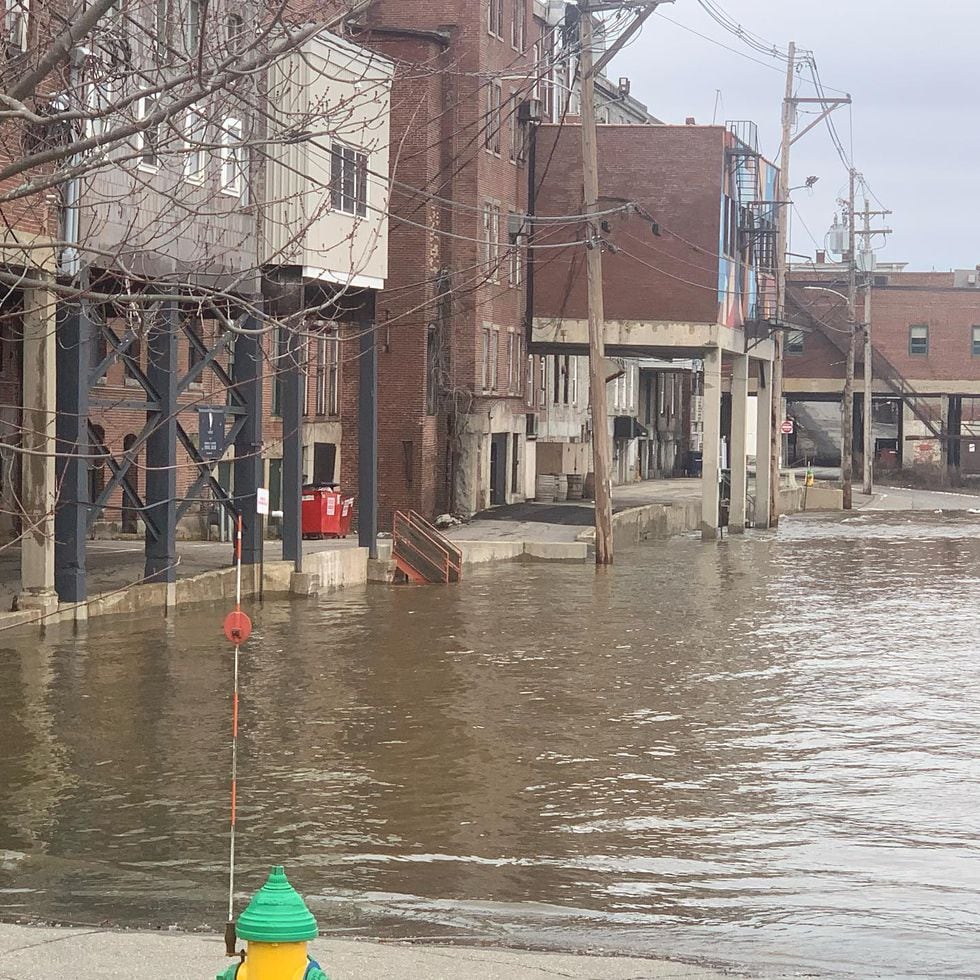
925	329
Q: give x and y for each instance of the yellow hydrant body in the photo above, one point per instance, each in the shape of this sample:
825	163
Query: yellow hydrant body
277	926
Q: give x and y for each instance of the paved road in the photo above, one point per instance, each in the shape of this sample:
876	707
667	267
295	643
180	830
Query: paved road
901	498
28	953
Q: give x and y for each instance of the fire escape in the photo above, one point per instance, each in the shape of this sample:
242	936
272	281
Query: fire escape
755	231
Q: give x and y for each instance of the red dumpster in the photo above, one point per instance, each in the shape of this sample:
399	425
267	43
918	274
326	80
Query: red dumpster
327	513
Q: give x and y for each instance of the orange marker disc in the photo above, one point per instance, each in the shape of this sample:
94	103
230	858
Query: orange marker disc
238	627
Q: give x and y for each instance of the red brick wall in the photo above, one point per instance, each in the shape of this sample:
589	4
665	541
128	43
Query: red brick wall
672	172
949	313
437	147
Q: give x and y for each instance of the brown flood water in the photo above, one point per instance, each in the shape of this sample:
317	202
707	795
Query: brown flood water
763	753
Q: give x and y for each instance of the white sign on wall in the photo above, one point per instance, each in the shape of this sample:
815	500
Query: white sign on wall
262	501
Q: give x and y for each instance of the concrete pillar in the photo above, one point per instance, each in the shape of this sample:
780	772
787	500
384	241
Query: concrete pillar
711	446
763	444
740	394
38	470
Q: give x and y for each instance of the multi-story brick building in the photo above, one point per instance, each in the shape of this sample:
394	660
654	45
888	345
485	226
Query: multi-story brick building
688	228
457	385
925	329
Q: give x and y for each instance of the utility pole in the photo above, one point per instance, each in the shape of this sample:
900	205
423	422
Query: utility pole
847	402
867	235
601	455
790	104
782	246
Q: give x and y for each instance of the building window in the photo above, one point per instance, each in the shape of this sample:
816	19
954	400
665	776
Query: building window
233	158
495	18
794	342
514	358
195	332
194	163
348	180
161	25
491	349
432	369
192	26
518	26
15	21
491	240
235	27
976	342
529	381
515	270
325	373
537	67
919	339
542	381
495	95
565	378
148	138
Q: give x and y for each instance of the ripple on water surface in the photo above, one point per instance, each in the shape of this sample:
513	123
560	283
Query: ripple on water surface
761	752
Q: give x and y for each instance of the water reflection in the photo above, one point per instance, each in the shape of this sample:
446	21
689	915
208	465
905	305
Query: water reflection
760	752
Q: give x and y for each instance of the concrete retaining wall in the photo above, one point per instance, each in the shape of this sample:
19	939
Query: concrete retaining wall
480	552
324	571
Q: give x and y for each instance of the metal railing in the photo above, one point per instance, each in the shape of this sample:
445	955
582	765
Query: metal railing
422	553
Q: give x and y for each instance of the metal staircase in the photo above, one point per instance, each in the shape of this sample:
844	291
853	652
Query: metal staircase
882	368
422	553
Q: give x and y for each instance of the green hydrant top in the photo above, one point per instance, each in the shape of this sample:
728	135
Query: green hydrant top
277	914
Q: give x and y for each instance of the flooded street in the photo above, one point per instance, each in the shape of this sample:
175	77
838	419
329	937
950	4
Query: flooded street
762	753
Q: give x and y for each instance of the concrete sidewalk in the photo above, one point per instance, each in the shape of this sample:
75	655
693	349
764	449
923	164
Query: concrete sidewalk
30	953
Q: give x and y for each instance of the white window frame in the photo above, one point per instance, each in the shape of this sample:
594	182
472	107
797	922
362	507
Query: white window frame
342	158
495	96
147	105
573	381
515	267
195	159
494	357
485	379
495	19
16	22
233	169
491	240
518	25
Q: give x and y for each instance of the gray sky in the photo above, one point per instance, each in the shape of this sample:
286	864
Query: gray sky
912	72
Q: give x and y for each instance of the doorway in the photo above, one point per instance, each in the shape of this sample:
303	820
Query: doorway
324	463
498	468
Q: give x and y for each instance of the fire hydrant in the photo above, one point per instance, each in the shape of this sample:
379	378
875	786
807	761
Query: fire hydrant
277	925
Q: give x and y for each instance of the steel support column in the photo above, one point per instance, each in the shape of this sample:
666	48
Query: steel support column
74	332
247	379
290	369
367	435
161	448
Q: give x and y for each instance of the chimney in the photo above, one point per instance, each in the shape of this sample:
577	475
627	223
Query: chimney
690	121
821	257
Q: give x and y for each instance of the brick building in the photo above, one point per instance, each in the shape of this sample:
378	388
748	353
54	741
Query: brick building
688	274
925	329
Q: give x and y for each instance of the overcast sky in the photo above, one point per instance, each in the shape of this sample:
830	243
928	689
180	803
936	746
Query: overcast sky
911	70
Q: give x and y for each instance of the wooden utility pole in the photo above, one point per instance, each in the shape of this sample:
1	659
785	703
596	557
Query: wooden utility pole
867	236
782	246
847	402
601	453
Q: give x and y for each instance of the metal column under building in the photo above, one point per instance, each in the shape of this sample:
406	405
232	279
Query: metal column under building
247	379
161	447
289	366
367	434
71	512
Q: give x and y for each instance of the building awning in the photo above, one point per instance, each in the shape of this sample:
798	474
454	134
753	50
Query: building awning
627	427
